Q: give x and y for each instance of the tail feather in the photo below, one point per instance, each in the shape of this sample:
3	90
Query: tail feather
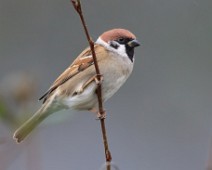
23	131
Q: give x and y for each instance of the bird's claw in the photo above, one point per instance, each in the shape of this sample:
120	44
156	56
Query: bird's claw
101	116
98	79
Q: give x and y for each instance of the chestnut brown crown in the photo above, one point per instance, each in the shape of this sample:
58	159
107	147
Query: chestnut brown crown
115	34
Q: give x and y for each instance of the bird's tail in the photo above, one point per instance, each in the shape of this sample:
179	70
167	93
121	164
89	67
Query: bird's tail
23	131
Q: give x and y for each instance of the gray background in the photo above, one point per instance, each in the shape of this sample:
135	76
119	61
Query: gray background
159	120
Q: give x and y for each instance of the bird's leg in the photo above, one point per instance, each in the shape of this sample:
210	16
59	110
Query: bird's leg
98	114
94	78
101	116
98	79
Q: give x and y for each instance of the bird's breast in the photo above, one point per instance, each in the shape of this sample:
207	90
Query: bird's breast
115	75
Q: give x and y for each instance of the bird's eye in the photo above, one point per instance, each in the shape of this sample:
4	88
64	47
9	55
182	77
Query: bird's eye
121	40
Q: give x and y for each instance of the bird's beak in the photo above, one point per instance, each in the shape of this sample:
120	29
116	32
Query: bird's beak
133	43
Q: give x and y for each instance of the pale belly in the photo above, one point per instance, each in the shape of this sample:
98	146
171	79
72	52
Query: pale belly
87	100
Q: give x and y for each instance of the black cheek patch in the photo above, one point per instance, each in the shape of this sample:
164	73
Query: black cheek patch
114	45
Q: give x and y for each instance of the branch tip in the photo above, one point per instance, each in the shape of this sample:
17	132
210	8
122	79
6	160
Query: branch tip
77	5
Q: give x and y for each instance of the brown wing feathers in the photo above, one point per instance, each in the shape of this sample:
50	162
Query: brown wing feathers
82	62
56	84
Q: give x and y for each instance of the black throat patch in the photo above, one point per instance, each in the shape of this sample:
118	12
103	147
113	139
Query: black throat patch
130	52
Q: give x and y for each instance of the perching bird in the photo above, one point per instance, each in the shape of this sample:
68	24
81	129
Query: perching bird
76	87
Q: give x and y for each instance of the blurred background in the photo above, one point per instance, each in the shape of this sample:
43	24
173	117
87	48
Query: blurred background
159	120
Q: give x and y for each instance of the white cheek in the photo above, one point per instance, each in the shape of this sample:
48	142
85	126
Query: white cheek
121	50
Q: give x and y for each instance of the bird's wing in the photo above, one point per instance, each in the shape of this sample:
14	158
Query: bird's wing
82	62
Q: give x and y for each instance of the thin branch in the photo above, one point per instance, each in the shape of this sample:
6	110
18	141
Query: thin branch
108	157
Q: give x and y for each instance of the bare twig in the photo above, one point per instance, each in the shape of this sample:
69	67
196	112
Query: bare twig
209	161
108	157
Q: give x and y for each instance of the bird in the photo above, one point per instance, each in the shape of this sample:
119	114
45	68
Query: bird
76	87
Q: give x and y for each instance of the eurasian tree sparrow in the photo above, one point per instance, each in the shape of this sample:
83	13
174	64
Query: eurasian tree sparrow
76	88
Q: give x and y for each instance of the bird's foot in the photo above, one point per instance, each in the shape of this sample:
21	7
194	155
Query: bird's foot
98	78
101	116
